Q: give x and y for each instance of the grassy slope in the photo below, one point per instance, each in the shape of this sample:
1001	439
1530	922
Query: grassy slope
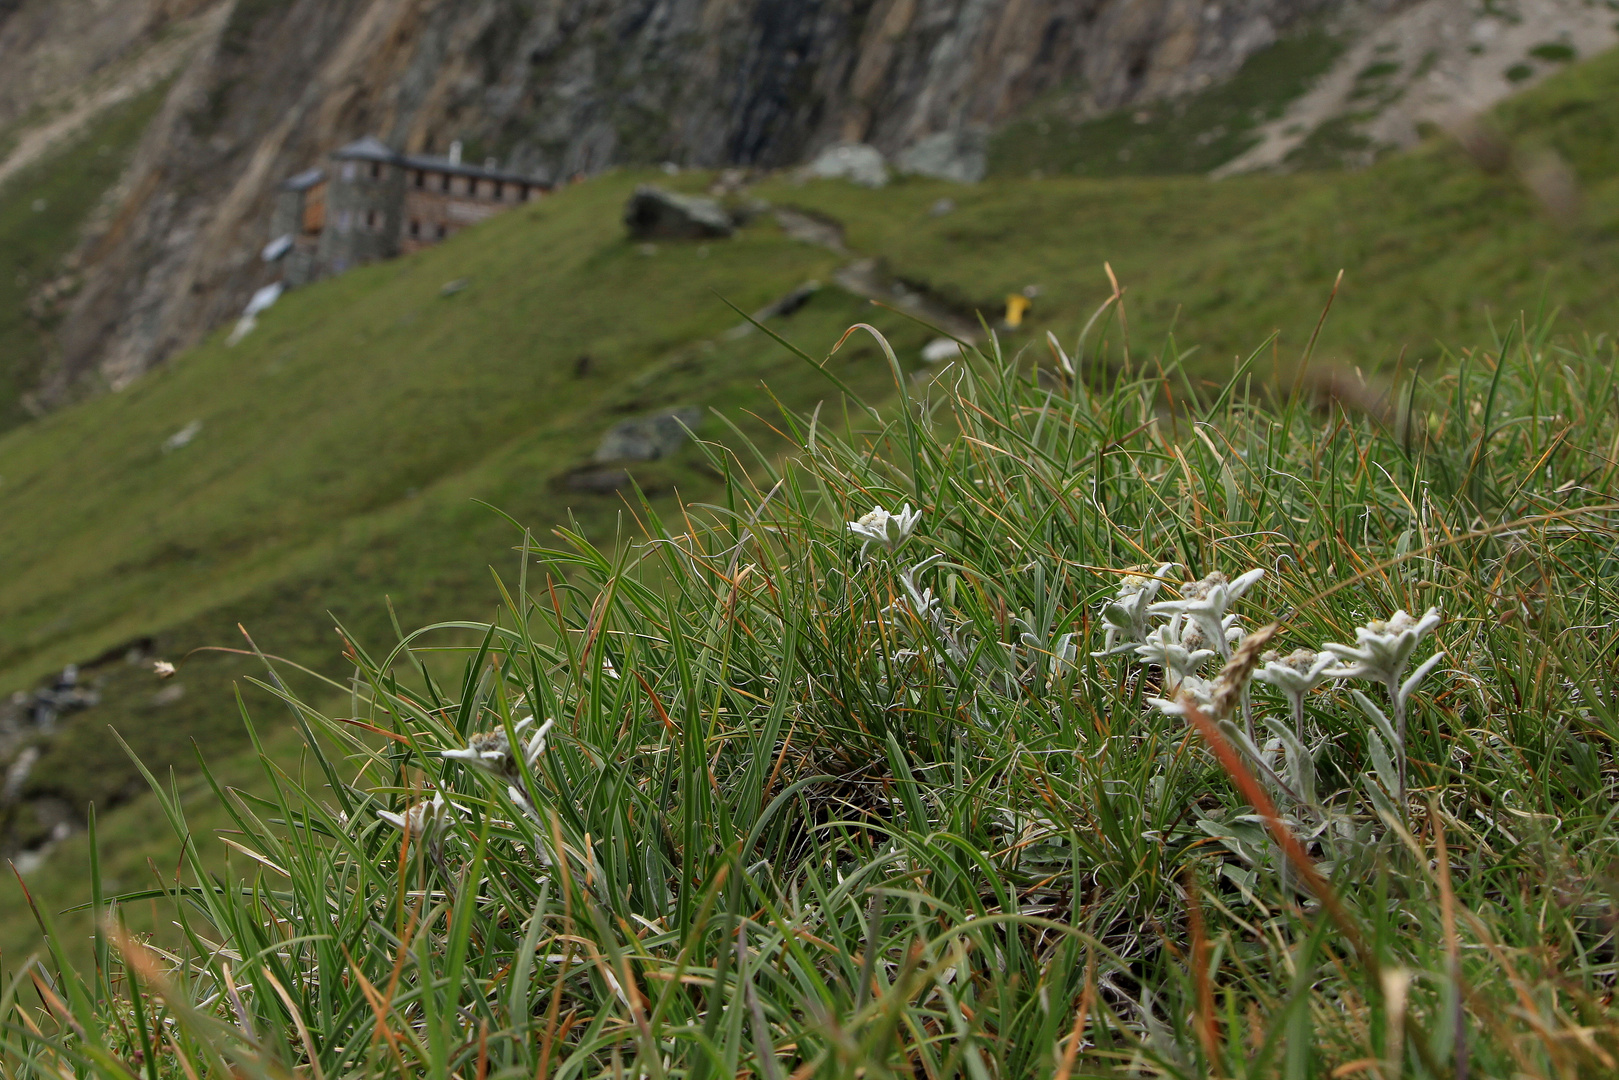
1433	249
1190	134
343	446
41	212
343	443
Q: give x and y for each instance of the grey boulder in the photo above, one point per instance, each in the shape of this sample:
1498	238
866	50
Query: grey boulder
647	438
655	214
959	155
854	162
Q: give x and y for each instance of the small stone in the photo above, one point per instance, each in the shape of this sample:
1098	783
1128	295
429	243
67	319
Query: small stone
183	437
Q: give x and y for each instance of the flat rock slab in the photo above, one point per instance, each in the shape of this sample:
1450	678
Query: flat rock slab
647	438
655	214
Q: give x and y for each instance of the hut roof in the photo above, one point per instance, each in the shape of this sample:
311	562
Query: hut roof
304	180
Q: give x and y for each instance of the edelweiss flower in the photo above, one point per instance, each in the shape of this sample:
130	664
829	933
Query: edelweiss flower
1205	604
163	669
490	752
1199	690
1179	654
1125	616
1381	653
1382	650
889	530
1299	672
426	819
1295	675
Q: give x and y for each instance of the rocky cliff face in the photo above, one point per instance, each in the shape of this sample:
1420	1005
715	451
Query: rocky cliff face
566	87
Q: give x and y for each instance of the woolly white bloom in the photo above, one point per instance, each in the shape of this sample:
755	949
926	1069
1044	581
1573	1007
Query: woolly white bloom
1382	651
487	750
426	819
1125	616
889	530
1178	653
1206	603
1295	675
1199	690
492	753
536	742
163	669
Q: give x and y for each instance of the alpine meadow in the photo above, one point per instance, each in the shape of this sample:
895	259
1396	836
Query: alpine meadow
1084	619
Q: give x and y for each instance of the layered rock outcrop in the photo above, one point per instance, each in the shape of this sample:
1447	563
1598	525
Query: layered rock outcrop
569	87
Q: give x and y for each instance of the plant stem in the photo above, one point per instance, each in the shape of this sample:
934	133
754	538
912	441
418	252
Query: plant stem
1399	738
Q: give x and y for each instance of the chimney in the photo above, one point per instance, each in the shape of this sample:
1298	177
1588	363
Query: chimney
455	152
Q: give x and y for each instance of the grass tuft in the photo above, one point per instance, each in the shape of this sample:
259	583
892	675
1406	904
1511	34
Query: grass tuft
757	792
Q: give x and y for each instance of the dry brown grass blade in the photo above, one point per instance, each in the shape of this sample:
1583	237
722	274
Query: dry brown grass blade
1297	857
1300	861
380	1008
1208	1027
1081	1014
298	1022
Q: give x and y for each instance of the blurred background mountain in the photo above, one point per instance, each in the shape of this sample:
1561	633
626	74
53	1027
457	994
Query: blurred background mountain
224	98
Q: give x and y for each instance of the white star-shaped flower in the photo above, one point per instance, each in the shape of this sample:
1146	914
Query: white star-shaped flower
1206	603
426	819
889	530
1199	690
1382	651
1124	617
1177	653
1297	673
490	752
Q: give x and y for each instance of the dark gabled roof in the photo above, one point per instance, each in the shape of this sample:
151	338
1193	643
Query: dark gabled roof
369	148
445	165
304	180
372	148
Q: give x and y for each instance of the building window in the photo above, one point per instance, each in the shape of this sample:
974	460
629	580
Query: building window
371	220
522	193
442	232
415	227
500	189
376	170
444	182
